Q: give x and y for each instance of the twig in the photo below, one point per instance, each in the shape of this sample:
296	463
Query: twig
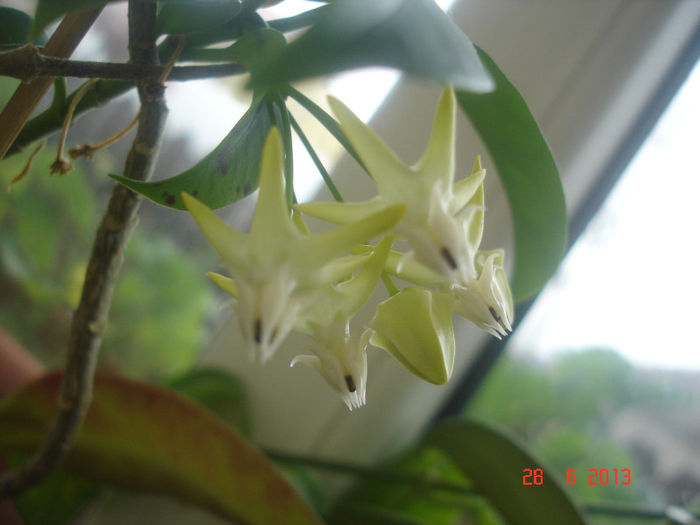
61	164
90	318
27	166
86	151
61	44
27	64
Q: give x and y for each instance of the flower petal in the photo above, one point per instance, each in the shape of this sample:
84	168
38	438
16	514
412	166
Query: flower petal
225	283
342	212
355	292
272	217
463	190
322	247
230	244
383	165
438	161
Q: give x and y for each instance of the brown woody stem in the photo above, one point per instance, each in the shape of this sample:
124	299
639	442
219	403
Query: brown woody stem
27	64
90	318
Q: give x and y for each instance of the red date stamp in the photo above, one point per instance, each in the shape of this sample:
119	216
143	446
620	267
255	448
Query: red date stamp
595	476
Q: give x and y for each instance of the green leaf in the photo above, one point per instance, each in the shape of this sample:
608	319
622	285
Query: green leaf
15	26
227	174
414	36
218	390
529	175
494	463
253	50
195	15
386	498
145	438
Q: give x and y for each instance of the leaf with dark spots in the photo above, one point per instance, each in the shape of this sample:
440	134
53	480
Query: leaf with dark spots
227	174
147	438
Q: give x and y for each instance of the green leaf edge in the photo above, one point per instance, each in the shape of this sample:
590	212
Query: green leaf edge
526	168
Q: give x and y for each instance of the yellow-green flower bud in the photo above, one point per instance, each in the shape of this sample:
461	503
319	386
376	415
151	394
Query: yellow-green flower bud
415	326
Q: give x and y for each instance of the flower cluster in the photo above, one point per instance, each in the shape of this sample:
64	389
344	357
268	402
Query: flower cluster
287	279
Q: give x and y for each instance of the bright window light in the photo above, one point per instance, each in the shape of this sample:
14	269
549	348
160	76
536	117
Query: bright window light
631	281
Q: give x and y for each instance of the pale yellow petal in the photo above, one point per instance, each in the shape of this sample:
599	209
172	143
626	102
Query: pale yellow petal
438	161
231	245
320	248
272	216
225	283
383	165
341	212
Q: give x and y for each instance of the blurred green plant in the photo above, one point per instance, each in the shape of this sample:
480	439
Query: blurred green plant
46	228
564	411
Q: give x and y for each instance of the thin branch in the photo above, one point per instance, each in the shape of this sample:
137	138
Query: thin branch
90	318
61	164
27	64
86	151
61	44
27	166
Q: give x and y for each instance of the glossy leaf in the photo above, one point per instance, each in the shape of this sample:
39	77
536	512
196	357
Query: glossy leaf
227	174
494	463
195	15
414	36
145	438
529	175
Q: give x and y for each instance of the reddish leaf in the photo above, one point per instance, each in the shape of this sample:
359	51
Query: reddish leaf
146	438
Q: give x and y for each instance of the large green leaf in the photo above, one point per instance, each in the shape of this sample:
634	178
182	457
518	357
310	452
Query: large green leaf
225	175
143	437
414	36
494	463
529	175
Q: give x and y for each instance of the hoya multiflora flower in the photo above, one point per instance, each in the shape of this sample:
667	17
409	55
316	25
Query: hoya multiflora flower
339	351
439	213
276	268
486	300
443	223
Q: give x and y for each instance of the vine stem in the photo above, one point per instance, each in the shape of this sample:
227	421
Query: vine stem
90	318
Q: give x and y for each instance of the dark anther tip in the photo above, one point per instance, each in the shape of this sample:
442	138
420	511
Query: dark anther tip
350	383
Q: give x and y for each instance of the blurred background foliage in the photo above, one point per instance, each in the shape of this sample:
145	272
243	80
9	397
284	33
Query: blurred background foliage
570	412
161	305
